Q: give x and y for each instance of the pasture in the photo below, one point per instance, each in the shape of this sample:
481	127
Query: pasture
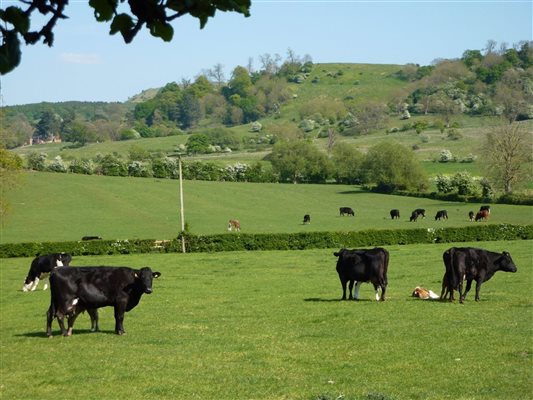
269	325
69	206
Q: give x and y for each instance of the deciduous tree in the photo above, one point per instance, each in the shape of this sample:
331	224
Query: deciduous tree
507	153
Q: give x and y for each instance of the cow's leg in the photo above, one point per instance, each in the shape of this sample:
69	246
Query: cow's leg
45	283
49	318
350	287
468	287
119	320
61	322
356	291
478	287
71	319
93	313
343	284
383	290
35	283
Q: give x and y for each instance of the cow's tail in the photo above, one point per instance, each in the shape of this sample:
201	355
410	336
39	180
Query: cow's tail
383	276
453	279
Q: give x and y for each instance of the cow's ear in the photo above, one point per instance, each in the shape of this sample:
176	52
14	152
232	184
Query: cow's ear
156	274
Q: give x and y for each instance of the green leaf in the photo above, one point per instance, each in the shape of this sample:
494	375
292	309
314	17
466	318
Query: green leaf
103	9
162	30
9	52
17	18
122	23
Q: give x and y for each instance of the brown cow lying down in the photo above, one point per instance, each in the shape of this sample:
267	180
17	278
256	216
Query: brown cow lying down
424	294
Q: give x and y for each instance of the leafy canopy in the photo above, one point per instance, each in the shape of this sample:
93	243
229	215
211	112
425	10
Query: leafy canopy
156	15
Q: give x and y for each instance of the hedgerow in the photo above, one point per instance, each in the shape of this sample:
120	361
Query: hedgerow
275	241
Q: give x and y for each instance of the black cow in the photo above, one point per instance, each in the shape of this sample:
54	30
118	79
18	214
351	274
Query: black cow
346	211
395	214
363	265
87	238
41	266
417	213
307	219
74	290
472	264
442	214
421	212
471	216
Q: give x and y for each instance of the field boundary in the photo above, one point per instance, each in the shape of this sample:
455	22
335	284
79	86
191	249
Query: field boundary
277	241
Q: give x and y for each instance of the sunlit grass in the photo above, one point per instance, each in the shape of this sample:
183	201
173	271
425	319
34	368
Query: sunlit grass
269	325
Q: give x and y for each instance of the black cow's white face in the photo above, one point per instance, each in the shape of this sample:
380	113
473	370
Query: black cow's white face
145	276
506	263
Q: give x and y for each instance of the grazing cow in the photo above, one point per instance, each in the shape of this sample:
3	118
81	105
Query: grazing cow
471	216
363	265
482	215
421	212
424	294
472	264
417	213
307	219
485	208
77	289
41	266
234	224
346	211
395	214
87	238
442	214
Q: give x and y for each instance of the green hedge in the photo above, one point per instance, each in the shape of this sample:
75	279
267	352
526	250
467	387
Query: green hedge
276	241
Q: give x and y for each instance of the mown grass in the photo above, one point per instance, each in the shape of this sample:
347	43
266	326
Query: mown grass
59	207
269	325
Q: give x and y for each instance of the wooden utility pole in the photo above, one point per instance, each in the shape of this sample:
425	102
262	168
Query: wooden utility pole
182	214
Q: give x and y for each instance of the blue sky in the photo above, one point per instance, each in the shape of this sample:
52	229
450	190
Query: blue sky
87	64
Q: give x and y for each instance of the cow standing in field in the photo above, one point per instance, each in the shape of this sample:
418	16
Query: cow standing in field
307	219
472	264
362	265
77	289
471	216
234	225
442	214
41	266
346	211
395	214
482	215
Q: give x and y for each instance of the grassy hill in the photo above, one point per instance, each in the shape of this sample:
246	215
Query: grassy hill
60	207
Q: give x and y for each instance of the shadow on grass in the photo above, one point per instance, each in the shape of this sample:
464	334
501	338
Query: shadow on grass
58	333
337	300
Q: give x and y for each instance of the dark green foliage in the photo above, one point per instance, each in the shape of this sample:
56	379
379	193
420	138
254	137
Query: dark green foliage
276	241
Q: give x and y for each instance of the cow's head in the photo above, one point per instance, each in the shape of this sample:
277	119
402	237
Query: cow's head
505	263
63	259
339	253
144	276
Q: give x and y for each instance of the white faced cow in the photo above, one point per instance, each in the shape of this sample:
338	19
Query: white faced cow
41	266
363	265
74	290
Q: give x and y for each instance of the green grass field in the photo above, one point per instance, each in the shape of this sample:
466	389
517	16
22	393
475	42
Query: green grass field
269	325
62	207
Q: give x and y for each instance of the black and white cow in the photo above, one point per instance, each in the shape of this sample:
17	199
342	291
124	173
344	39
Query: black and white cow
41	266
471	216
471	264
307	219
442	214
395	214
77	289
363	265
346	211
